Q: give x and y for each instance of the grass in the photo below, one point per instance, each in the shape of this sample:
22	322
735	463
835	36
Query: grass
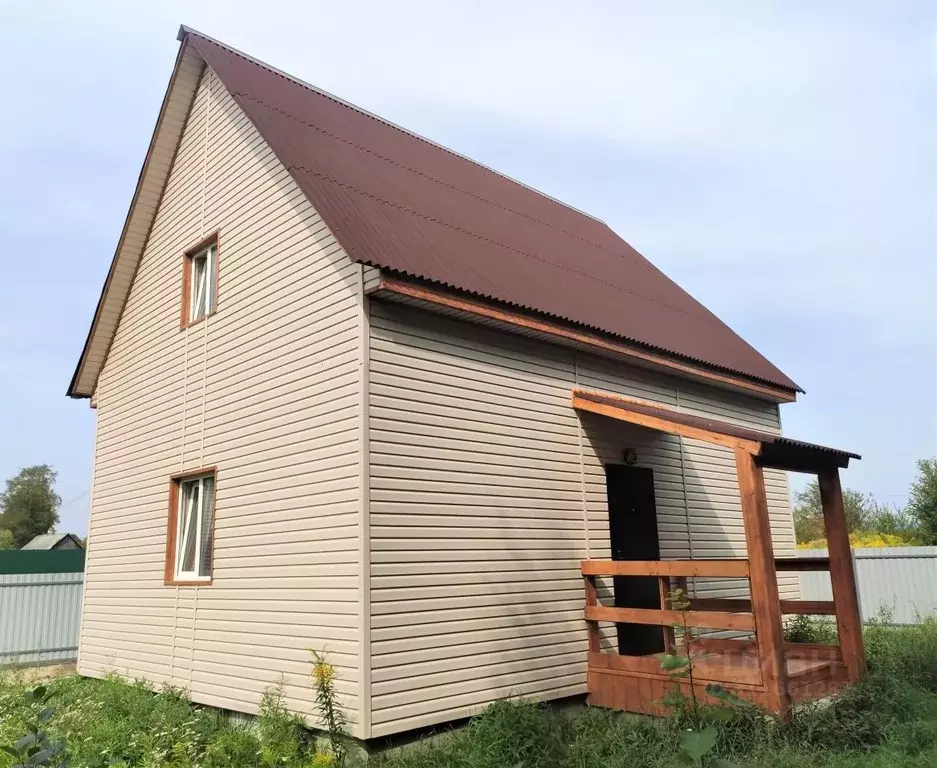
110	722
889	720
872	725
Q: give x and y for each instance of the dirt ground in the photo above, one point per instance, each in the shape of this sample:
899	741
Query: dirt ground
46	672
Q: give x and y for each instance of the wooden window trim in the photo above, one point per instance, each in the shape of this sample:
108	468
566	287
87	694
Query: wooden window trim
213	239
169	569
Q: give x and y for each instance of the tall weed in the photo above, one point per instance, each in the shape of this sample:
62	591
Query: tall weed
906	653
283	736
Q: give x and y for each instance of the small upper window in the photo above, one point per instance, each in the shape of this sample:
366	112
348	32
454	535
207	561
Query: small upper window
200	283
193	534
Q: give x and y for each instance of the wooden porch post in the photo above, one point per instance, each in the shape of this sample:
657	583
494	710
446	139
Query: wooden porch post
842	576
766	602
592	599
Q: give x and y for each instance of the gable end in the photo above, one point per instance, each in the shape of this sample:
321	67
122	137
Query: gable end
146	198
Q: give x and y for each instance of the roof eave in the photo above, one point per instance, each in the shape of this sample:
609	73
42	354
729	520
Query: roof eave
392	286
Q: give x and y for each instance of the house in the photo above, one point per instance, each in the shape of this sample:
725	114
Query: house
356	392
54	541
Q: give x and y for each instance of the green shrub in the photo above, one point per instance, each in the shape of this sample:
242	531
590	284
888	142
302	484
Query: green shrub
113	720
861	717
810	629
235	746
35	747
907	653
283	736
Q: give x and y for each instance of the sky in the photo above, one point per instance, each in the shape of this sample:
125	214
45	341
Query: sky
777	159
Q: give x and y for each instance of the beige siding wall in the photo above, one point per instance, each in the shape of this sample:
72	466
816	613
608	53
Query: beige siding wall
267	390
482	480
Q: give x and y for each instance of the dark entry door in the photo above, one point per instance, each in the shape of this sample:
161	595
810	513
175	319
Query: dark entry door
632	523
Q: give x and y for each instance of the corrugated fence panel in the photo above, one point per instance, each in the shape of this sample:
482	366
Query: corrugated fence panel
39	614
899	580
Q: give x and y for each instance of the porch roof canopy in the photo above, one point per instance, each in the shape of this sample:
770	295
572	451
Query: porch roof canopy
770	450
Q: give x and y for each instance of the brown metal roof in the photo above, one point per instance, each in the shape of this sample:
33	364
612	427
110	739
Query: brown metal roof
402	203
776	451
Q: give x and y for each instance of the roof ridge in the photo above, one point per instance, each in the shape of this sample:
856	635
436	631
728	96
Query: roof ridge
642	262
185	30
712	319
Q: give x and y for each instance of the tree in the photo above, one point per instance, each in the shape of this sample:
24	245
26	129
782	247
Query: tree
29	505
860	511
922	501
6	539
895	522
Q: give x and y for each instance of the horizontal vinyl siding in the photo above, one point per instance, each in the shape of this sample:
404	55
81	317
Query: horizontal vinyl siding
479	501
266	390
695	483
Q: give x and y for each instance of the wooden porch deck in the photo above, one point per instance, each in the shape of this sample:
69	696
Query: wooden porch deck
637	683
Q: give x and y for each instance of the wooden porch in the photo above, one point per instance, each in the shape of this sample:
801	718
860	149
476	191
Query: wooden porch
762	668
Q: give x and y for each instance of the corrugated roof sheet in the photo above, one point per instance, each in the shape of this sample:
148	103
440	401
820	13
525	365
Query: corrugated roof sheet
400	202
774	447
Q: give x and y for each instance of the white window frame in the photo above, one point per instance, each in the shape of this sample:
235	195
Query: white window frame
209	253
203	502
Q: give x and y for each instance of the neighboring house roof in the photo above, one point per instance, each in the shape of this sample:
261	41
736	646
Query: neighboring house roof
52	541
399	202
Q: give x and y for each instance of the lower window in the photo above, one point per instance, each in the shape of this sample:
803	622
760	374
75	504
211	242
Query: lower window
189	555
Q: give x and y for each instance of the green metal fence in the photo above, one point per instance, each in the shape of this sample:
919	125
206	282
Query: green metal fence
40	605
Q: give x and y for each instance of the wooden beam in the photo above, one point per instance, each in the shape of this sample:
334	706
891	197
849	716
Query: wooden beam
725	644
716	668
808	608
664	425
766	601
704	619
637	692
714	568
800	461
842	576
788	607
731	605
599	343
592	600
813	651
663	586
789	564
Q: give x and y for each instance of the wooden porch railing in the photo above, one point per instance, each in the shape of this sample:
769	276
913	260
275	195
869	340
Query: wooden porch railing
666	570
757	677
763	614
788	607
